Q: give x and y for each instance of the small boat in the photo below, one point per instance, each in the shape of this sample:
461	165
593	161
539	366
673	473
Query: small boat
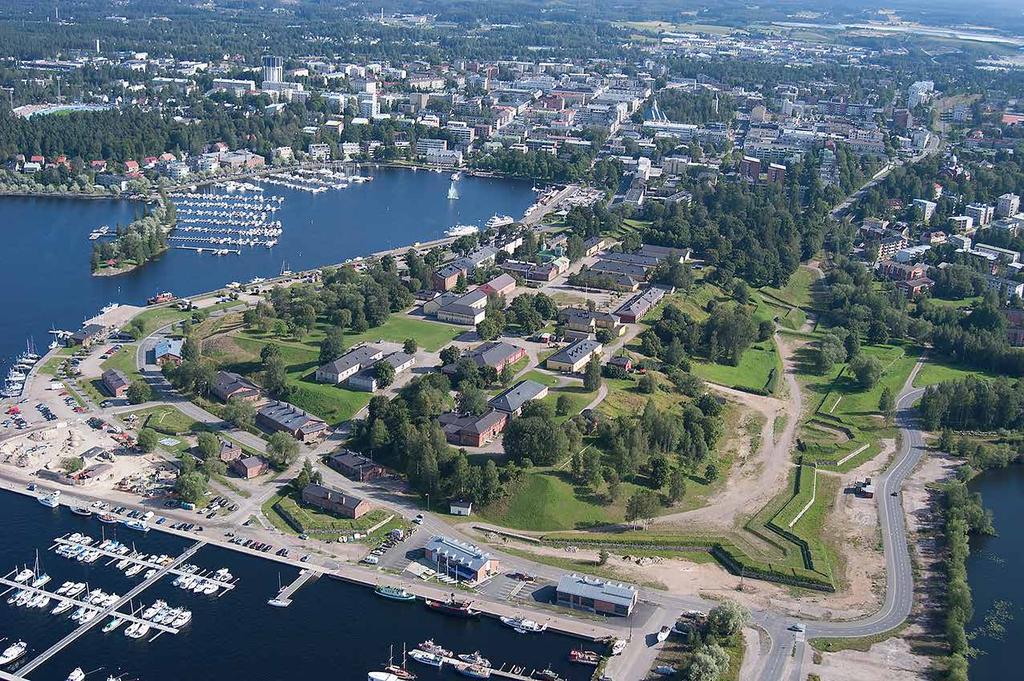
394	593
81	510
23	575
51	500
112	625
663	634
429	659
76	674
474	671
13	652
381	676
547	674
41	580
453	607
618	646
523	625
475	658
429	646
107	518
588	657
135	524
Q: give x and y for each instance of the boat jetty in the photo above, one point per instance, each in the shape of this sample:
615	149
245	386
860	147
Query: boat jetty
210	222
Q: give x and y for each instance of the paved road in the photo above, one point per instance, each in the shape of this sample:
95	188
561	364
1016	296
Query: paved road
788	646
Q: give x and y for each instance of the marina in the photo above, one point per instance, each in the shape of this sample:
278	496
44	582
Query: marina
319	610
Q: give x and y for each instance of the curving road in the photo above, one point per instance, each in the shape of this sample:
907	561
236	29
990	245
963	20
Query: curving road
899	587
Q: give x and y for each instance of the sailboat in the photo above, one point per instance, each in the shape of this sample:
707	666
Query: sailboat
453	193
398	671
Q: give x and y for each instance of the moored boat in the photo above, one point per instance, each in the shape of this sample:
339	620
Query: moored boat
429	659
394	593
588	657
76	674
523	625
429	646
474	671
13	652
51	500
452	607
107	518
81	510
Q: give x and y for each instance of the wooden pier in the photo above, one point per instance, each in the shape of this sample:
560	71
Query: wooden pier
107	611
284	596
16	586
116	557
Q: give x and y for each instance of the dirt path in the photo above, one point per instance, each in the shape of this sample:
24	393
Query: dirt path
753	484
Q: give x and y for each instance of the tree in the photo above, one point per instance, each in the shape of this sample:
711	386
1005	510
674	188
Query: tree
727	618
642	505
275	377
676	485
647	384
282	449
711	473
592	375
332	346
659	471
214	467
614	482
602	557
449	355
139	392
240	413
765	329
384	372
709	663
472	400
563	405
191	487
304	477
410	346
71	464
886	404
190	349
831	351
148	439
208	446
867	369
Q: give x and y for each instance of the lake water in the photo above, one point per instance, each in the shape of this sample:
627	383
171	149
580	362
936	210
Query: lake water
332	629
44	246
993	570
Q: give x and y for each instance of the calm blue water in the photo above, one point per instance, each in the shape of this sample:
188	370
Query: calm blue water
44	249
993	570
332	629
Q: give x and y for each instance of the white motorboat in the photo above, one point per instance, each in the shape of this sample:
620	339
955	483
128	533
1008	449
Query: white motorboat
113	624
76	674
51	500
462	230
75	589
13	652
429	659
139	631
63	607
523	625
23	575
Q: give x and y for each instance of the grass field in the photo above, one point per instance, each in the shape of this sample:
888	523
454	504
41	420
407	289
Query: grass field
167	420
290	515
155	318
934	370
123	360
753	371
797	291
431	336
50	366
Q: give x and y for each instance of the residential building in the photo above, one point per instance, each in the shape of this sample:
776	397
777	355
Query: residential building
1007	206
446	158
530	271
366	379
1015	327
281	416
496	354
88	335
228	385
349	364
511	401
776	173
897	271
925	209
459	560
961	224
1004	255
637	307
229	451
981	213
595	595
168	351
273	69
354	465
1007	288
446	277
579	320
335	501
248	467
501	285
470	430
574	357
115	382
465	315
750	168
460	507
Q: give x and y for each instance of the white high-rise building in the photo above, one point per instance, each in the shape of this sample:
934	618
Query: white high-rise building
1007	206
369	106
273	69
919	92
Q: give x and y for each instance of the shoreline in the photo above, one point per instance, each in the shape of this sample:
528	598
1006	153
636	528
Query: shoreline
351	574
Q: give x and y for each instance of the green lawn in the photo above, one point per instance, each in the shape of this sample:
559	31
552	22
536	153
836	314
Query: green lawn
548	501
51	365
288	513
935	370
158	317
797	291
542	377
123	360
430	336
167	420
752	372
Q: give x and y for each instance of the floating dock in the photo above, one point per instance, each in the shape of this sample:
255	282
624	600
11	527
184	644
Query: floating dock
284	596
107	611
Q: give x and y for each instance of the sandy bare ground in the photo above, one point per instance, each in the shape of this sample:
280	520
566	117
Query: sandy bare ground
892	660
752	483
